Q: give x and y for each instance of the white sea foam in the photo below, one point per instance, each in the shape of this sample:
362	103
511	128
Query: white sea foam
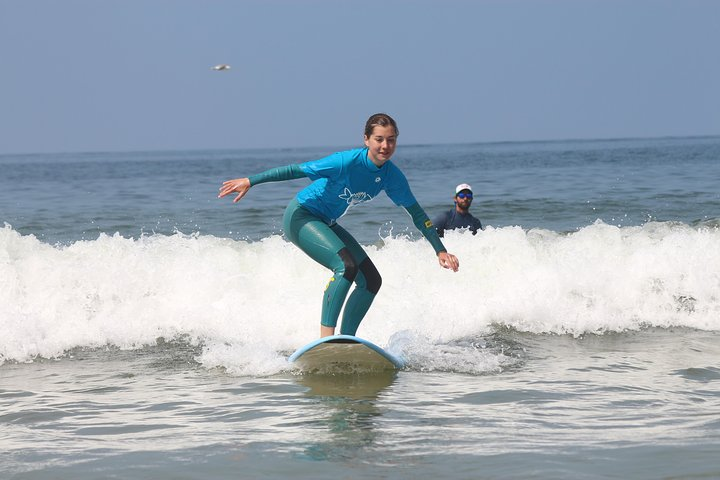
250	304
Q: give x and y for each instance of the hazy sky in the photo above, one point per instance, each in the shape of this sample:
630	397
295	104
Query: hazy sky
108	75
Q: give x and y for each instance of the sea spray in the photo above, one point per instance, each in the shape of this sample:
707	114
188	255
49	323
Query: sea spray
245	300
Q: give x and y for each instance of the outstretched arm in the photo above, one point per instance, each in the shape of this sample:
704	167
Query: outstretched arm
242	185
423	223
239	186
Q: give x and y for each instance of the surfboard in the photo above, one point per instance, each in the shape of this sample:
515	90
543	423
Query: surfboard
344	353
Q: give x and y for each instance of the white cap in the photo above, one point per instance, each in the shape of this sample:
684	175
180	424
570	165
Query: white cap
461	187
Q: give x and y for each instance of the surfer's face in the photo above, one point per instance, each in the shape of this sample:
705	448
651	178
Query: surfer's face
381	144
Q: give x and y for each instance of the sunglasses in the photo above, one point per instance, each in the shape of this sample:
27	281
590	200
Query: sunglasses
464	195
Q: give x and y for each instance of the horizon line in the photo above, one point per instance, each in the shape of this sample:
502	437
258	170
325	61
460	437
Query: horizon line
314	147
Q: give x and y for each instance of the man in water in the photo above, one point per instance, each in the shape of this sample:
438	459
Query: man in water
460	216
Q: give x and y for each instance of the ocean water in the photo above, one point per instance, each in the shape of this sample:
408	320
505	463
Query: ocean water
145	324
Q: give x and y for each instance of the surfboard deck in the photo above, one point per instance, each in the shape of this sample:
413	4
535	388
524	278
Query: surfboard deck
344	353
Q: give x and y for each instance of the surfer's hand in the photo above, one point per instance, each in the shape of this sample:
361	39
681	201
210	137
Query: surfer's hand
239	185
449	261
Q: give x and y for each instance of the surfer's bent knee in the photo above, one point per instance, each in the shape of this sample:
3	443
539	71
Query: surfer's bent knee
351	266
372	276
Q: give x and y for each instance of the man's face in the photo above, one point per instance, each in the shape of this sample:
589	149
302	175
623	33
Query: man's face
463	199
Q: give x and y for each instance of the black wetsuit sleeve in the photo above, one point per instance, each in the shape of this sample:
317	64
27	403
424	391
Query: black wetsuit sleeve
423	223
278	174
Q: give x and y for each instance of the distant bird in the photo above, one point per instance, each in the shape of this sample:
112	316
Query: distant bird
220	67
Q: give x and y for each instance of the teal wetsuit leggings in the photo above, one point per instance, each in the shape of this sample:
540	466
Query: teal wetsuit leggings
334	248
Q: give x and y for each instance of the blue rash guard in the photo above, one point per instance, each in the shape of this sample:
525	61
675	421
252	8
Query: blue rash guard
345	179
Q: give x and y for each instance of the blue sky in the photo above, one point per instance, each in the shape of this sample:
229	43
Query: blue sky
116	75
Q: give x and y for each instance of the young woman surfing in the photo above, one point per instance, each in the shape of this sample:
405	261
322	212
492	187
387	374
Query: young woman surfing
340	181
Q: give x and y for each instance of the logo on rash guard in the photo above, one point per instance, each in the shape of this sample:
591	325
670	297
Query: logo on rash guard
353	199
